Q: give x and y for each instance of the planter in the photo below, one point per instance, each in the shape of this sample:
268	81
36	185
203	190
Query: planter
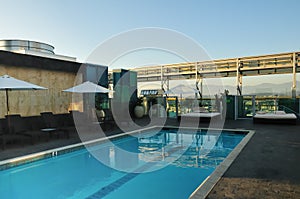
139	111
100	114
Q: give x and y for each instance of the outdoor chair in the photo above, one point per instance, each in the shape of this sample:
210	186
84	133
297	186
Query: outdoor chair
74	121
66	124
88	127
8	135
108	121
83	121
19	125
276	117
51	125
9	138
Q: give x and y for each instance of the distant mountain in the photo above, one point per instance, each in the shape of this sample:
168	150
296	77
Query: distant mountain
265	89
271	89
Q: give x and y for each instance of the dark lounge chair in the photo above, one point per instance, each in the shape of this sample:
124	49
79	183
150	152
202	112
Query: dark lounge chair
82	122
85	126
64	123
52	126
8	136
19	126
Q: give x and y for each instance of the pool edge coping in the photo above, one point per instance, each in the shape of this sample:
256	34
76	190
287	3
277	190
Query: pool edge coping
209	183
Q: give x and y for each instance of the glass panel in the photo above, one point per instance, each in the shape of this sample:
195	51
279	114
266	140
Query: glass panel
245	106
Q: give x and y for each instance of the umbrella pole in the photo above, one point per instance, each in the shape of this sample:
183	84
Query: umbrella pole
7	108
7	105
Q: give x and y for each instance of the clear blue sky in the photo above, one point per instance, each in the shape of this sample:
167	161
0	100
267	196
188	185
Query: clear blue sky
225	28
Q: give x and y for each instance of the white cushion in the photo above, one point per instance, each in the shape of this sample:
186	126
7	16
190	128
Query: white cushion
260	112
279	112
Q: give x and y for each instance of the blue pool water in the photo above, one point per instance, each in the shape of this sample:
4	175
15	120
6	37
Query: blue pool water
176	164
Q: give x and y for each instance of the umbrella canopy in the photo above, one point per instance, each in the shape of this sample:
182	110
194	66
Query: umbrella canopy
87	87
181	90
8	83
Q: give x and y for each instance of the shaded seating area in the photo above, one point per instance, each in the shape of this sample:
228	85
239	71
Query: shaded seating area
76	124
276	117
17	130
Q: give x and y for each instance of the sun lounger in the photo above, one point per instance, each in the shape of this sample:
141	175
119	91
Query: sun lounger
202	116
78	122
7	136
279	117
18	125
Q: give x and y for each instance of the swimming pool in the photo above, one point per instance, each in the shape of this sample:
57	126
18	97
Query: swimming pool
163	164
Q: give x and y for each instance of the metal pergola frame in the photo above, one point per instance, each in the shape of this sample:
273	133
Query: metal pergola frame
283	63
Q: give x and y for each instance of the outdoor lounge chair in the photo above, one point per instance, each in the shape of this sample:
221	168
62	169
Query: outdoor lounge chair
18	125
73	123
278	117
7	136
51	125
201	114
83	121
88	127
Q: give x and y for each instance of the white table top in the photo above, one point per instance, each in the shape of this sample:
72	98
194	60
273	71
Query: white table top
48	129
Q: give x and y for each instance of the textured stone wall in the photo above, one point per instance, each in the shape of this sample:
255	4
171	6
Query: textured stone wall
30	103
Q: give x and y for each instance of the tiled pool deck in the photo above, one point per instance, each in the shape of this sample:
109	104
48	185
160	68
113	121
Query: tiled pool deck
267	167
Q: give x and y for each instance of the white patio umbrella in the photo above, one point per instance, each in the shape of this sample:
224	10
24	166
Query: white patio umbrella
87	87
9	83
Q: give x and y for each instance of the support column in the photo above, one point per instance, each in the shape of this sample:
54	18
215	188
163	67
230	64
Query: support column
239	80
294	76
199	79
253	105
164	80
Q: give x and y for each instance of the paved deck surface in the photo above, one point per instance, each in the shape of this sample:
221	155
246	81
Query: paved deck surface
268	167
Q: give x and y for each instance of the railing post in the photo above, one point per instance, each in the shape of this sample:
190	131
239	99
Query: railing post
253	105
294	76
199	79
235	107
164	80
239	76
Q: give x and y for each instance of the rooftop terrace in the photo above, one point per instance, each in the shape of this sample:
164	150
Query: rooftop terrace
268	167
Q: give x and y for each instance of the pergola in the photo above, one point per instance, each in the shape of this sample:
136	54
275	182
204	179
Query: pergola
283	63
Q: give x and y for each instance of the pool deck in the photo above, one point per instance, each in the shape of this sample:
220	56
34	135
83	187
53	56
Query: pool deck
267	167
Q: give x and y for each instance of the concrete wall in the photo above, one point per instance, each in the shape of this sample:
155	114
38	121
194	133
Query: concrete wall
56	75
29	103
